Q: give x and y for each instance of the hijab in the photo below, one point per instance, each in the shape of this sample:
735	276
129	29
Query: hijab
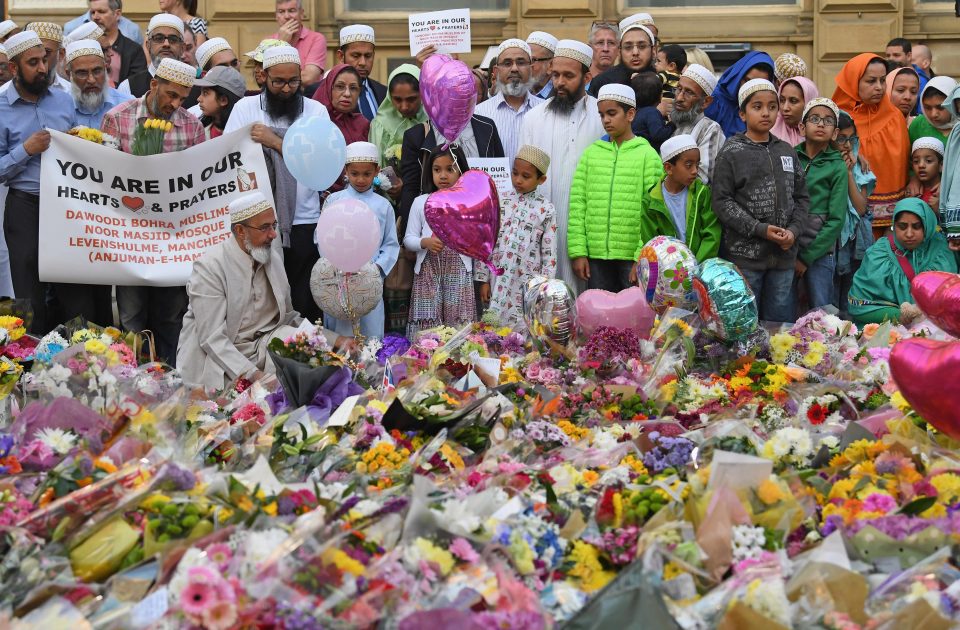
353	125
388	126
950	179
881	282
793	135
882	129
725	108
892	77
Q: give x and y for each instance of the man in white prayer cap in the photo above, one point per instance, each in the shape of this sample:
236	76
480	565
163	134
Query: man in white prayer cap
691	97
542	47
239	300
513	99
563	127
164	41
358	46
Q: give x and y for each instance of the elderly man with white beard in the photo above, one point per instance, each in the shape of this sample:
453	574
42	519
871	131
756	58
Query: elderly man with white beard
513	99
691	97
239	301
87	70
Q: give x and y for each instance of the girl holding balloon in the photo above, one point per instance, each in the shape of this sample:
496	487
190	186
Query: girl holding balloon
443	293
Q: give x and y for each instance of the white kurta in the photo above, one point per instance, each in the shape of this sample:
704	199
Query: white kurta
564	138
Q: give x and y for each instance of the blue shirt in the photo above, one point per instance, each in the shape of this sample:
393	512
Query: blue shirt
19	119
95	119
545	92
129	28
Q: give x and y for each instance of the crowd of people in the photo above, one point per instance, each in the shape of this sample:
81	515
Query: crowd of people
820	202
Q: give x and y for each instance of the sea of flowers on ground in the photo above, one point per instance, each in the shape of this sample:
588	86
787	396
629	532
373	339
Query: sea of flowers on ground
465	480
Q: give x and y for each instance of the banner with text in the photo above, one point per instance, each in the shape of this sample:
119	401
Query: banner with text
448	30
113	218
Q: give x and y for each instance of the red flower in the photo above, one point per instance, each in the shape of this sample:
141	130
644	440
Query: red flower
816	414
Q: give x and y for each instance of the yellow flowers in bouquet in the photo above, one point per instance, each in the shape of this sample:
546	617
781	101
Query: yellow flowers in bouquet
13	326
156	123
149	135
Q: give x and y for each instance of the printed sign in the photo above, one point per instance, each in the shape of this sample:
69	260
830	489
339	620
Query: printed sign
449	31
498	169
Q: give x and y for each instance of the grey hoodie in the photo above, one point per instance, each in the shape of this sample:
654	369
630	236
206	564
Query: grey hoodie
754	186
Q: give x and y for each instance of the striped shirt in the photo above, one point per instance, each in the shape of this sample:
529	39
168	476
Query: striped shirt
508	120
122	121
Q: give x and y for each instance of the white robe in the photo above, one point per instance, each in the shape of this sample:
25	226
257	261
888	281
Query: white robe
219	292
564	138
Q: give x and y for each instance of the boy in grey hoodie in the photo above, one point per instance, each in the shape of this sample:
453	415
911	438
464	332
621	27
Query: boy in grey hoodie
760	197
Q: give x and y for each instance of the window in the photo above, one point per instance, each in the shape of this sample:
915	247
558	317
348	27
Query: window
419	6
656	4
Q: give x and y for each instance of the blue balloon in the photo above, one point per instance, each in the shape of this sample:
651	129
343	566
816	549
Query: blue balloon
314	151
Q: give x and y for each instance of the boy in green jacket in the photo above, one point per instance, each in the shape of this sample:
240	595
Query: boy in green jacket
603	229
679	205
827	184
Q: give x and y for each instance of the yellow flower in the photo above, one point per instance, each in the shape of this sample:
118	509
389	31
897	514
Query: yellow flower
769	492
812	359
167	126
948	487
900	403
617	509
740	382
431	553
503	332
270	508
590	477
668	391
671	570
780	345
342	561
452	456
635	464
587	570
572	430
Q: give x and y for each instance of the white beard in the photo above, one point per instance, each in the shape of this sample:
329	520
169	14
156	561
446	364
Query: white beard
88	102
259	254
514	87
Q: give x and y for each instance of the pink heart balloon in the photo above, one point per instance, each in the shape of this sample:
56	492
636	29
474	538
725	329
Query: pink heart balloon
449	94
937	293
626	310
920	368
466	216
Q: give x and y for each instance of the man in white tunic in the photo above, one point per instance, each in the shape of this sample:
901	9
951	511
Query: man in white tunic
692	97
239	301
563	127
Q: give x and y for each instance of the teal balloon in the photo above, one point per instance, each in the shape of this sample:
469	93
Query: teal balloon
728	307
314	151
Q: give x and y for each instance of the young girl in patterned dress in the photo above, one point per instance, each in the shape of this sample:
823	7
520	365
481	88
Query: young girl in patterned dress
527	245
443	279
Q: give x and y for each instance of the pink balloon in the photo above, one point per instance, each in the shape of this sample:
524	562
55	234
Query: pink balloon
920	368
466	217
937	293
449	94
626	310
348	234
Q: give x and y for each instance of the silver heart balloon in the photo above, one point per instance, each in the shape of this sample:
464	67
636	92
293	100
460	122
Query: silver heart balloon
550	312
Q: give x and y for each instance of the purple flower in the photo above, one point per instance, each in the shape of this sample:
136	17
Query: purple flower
277	401
6	445
345	507
177	478
331	395
393	344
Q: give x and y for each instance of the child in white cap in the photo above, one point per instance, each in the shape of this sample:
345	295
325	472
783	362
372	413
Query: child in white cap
928	167
363	164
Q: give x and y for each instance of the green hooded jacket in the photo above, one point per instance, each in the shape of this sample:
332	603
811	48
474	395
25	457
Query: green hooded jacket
703	226
826	177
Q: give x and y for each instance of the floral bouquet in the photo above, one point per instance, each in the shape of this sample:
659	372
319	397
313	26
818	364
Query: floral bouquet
149	135
96	136
304	362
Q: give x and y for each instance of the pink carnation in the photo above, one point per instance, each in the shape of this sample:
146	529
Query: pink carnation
250	411
461	548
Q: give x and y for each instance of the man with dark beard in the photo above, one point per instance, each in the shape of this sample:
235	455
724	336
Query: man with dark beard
691	97
51	37
159	309
239	301
563	127
637	54
513	99
29	109
271	112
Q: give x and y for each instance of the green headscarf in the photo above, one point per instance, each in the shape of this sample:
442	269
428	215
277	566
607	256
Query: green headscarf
880	286
388	126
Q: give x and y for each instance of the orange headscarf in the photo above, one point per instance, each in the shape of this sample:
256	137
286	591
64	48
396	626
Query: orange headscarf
884	140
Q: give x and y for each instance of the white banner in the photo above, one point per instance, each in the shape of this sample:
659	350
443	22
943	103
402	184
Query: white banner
448	30
498	169
108	217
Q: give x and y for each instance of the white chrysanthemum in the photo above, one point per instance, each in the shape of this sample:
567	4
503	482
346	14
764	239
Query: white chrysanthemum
57	440
457	518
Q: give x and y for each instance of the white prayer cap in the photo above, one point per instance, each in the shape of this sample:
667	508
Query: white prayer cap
514	43
3	50
619	93
572	49
638	21
928	142
177	72
356	33
24	40
672	147
209	48
6	26
702	77
165	19
940	83
82	48
280	54
753	86
248	206
821	101
363	152
47	30
541	38
87	30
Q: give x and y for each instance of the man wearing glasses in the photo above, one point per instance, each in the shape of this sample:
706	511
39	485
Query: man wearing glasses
239	301
513	98
605	41
279	105
124	56
637	53
542	46
164	41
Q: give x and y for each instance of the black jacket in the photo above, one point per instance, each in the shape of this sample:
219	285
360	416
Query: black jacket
132	59
417	142
379	90
140	84
616	74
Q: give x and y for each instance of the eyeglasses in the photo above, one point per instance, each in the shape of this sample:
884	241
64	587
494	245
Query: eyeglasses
519	63
83	75
279	84
230	64
846	139
266	227
159	38
541	59
828	121
638	47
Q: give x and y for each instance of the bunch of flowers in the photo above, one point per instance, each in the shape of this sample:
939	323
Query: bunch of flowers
789	446
821	409
607	347
305	347
96	136
668	454
149	135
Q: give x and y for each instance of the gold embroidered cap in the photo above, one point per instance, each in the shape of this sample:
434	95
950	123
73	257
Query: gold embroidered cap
542	38
24	40
356	33
822	102
6	27
165	19
47	30
280	54
753	86
248	206
536	156
572	49
82	48
789	65
177	72
87	30
702	76
675	145
619	93
209	48
362	152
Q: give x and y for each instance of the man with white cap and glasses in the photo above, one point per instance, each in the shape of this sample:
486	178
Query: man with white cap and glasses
158	309
563	127
164	41
357	49
8	28
124	54
298	208
513	98
29	109
88	31
637	53
239	301
256	55
542	48
5	73
691	97
310	45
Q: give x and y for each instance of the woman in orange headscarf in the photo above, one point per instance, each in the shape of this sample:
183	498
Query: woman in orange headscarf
882	129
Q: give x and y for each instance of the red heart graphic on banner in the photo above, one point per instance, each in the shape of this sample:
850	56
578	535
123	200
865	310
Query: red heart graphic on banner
433	28
133	203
